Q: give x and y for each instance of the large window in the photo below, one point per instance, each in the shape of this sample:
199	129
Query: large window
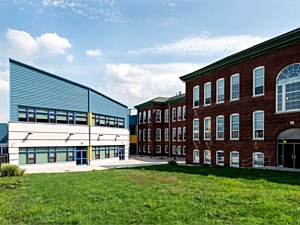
140	135
149	134
207	93
166	134
220	158
179	133
258	125
144	117
196	156
158	149
149	116
140	117
178	150
220	91
220	128
174	134
258	81
184	112
196	129
234	159
258	159
106	121
149	148
184	134
174	114
158	116
207	128
179	113
166	115
166	149
235	87
144	135
234	126
207	157
158	134
288	89
184	150
196	96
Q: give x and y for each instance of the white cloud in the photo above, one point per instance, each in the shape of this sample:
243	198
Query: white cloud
133	84
23	45
4	85
70	58
203	45
4	75
94	53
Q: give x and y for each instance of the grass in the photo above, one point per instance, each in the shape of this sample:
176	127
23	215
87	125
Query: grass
167	194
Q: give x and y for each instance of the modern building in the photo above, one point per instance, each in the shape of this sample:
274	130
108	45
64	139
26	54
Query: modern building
161	126
244	110
55	120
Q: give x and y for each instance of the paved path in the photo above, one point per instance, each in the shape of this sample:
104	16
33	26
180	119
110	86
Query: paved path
134	161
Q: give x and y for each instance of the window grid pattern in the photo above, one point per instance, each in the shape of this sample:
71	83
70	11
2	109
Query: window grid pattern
207	93
258	81
220	127
234	127
258	125
196	96
207	128
220	90
207	157
196	129
235	87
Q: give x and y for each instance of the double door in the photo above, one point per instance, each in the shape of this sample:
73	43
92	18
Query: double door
289	153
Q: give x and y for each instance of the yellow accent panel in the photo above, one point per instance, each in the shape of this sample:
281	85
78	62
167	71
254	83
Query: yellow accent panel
90	116
133	139
90	153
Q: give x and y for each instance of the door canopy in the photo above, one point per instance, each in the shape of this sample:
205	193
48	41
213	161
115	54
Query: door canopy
293	133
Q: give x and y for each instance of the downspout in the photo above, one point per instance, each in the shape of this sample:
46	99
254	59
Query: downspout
90	124
169	130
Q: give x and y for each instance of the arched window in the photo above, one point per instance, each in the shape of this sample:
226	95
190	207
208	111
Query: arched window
196	156
220	158
288	89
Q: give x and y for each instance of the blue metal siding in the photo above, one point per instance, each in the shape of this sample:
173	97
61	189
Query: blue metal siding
32	87
3	133
103	105
133	120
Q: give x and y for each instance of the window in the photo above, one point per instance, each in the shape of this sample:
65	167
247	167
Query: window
235	87
149	134
166	149
179	133
184	134
42	116
258	159
234	159
158	134
174	134
207	157
149	116
179	113
174	114
61	117
144	117
140	117
174	150
234	126
158	116
158	149
258	125
184	150
179	150
220	128
144	135
207	93
140	135
166	134
144	148
196	156
166	115
288	89
196	129
149	148
196	96
140	148
220	91
220	158
207	128
258	81
184	112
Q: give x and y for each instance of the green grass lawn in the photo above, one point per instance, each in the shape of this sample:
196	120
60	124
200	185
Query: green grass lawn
153	195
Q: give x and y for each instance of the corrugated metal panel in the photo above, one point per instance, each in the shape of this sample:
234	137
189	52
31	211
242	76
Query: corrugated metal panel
3	133
30	87
102	105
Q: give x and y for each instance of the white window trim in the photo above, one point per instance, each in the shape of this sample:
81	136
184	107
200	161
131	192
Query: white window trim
232	76
254	153
174	137
149	148
149	134
144	148
217	90
174	150
208	163
158	121
231	159
178	150
149	116
158	147
179	129
231	138
166	136
253	81
140	134
217	163
144	135
253	125
184	132
159	134
144	117
166	149
184	152
184	113
166	113
204	131
205	86
194	107
196	139
173	117
196	150
140	118
179	114
220	139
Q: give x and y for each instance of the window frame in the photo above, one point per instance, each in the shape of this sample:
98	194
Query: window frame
234	165
205	92
231	78
166	134
253	125
144	117
198	131
217	161
195	161
217	128
206	128
179	115
233	138
149	134
184	134
184	113
149	115
254	78
204	154
179	134
158	116
158	147
144	135
253	157
158	137
174	137
166	117
217	91
174	115
196	94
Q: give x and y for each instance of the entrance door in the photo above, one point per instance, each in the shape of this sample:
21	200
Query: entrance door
289	155
121	154
81	157
297	156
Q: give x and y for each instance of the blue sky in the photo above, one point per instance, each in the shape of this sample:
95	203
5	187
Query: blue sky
133	50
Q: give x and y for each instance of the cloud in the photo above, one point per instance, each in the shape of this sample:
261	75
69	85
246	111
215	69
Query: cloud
4	85
70	58
4	75
94	53
133	84
23	45
203	45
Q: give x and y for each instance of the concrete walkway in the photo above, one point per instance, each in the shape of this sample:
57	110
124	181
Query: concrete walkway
133	161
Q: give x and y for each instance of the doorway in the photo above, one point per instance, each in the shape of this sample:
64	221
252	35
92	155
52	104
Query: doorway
121	152
81	157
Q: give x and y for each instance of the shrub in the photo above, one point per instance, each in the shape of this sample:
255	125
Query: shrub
172	162
9	170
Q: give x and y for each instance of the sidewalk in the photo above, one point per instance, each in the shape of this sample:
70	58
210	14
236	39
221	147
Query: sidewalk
133	161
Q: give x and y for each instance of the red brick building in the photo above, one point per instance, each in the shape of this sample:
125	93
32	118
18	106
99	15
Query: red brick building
244	110
161	126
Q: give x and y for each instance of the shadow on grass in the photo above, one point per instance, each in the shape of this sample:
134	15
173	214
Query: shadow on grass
282	177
